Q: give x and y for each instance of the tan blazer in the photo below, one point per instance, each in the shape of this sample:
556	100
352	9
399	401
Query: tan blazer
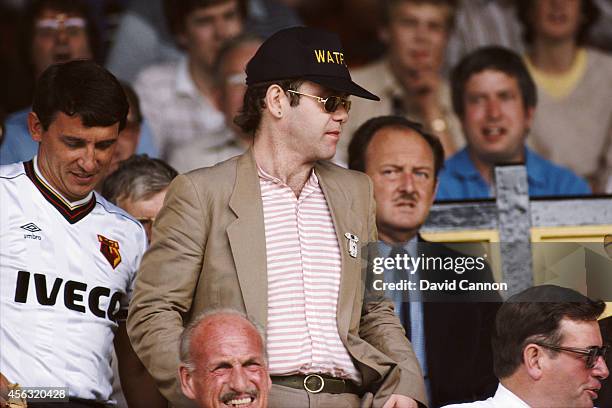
209	251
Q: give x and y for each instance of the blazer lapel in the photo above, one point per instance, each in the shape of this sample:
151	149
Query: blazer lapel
248	240
340	207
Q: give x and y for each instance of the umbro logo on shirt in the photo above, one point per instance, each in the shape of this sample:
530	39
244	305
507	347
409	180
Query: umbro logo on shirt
31	227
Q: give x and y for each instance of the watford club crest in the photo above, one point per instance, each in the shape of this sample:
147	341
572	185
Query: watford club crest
110	250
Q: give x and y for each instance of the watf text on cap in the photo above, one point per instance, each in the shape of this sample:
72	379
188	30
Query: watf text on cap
325	56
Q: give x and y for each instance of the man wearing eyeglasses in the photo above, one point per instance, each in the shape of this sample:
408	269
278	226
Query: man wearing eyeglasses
548	350
276	233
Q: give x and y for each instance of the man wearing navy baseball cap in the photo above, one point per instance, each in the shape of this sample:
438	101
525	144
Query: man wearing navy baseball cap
277	233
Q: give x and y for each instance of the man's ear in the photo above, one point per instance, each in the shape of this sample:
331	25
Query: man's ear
275	96
533	359
187	382
35	127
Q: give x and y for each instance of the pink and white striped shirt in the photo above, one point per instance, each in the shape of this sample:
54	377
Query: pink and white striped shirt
304	267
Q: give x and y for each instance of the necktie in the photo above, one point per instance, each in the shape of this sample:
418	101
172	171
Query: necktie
403	274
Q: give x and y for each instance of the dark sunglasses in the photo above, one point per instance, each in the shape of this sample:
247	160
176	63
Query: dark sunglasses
592	353
330	104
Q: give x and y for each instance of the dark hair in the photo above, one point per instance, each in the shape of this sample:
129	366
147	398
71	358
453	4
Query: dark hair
249	118
535	315
78	7
496	59
588	9
177	11
80	88
365	133
133	101
388	7
138	178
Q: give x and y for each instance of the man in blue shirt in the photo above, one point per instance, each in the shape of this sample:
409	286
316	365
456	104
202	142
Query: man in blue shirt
495	99
450	334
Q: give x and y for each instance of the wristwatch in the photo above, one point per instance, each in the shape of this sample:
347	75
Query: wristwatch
438	125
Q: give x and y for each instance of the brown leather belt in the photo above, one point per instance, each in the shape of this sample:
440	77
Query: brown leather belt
318	383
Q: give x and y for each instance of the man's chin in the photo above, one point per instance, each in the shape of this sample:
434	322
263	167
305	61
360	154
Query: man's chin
80	192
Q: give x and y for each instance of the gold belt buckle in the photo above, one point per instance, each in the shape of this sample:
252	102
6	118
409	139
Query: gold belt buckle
314	391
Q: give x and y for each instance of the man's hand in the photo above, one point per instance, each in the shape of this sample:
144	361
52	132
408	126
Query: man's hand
138	386
400	401
421	90
5	400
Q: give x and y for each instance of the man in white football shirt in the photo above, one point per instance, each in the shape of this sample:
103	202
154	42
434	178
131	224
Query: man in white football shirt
67	256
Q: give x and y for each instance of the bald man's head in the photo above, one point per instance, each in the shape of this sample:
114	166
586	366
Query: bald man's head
223	362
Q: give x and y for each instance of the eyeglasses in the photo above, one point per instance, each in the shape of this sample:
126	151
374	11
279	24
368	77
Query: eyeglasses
330	104
50	26
592	353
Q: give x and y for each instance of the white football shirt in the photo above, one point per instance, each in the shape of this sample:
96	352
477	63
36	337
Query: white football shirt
66	273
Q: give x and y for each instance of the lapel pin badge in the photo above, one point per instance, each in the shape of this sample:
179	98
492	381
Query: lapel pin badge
352	244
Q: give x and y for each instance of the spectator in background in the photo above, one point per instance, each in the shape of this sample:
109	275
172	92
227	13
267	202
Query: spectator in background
403	162
495	98
547	350
178	97
481	23
130	135
408	79
139	186
231	86
55	31
143	37
224	361
573	81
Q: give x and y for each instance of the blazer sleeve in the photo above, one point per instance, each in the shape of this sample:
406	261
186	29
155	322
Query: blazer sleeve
165	286
380	327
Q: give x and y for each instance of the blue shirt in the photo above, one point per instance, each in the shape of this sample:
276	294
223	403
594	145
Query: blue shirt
459	179
18	145
415	320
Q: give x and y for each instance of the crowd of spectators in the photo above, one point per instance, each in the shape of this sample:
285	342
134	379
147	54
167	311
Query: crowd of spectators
403	50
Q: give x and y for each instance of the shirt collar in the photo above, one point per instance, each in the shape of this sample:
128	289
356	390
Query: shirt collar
507	398
410	246
70	204
312	181
184	82
463	167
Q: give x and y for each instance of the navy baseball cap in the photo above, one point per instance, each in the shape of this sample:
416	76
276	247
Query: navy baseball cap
304	53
